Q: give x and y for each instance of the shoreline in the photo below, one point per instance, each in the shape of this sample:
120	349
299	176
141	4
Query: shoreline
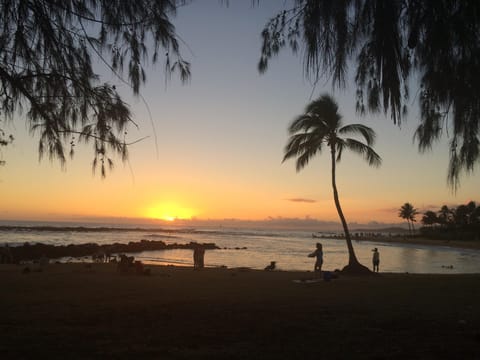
451	258
370	236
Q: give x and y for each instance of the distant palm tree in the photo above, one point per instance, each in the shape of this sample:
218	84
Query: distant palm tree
408	212
429	218
473	212
320	126
461	215
445	216
476	216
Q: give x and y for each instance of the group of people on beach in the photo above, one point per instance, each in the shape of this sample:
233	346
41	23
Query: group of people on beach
199	253
318	254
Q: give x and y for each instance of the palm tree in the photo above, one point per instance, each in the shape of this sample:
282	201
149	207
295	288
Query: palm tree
476	216
472	212
408	212
461	216
321	125
445	216
429	218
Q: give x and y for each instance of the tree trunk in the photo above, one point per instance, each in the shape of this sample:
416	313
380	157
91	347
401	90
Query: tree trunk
354	265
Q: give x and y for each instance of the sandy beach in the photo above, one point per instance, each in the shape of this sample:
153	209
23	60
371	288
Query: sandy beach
82	311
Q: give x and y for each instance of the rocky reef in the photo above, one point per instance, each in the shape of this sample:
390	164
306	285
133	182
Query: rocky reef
29	252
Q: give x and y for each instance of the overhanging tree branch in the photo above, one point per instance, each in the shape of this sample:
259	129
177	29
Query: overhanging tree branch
46	66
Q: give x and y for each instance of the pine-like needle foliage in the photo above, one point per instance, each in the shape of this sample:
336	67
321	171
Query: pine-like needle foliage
48	49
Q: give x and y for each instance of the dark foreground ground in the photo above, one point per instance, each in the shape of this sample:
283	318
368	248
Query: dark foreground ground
70	311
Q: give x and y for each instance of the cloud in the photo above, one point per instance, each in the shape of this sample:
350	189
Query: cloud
302	200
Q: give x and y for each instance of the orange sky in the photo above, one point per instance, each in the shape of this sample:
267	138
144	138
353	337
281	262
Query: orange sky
220	145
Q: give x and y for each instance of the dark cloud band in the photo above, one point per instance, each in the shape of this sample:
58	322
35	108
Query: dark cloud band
302	200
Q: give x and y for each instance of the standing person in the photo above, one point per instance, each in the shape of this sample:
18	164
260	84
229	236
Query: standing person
375	260
318	253
195	257
198	257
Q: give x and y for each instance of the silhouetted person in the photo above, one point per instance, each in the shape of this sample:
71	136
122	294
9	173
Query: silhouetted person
126	263
5	255
375	260
201	258
198	257
318	253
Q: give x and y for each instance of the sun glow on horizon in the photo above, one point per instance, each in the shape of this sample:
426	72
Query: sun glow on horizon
169	212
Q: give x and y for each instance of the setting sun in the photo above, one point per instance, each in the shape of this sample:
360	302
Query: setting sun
169	212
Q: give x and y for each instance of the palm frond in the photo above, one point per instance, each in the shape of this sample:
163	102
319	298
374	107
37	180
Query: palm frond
309	123
303	147
353	129
321	124
326	109
294	146
302	123
324	104
339	146
305	157
365	151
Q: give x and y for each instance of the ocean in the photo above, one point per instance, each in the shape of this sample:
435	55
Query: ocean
242	247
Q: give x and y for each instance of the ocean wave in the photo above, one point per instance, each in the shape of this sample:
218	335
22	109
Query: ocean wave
85	229
156	232
161	236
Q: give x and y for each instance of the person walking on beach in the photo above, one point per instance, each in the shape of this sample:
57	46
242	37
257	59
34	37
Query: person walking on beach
375	260
318	253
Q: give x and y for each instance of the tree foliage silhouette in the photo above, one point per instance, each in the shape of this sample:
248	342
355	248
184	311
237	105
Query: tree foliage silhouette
321	126
408	212
392	45
461	222
429	218
48	50
4	141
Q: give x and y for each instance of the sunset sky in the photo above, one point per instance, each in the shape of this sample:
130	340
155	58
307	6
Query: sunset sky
220	144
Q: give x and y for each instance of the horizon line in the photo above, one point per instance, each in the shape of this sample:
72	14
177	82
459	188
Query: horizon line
291	221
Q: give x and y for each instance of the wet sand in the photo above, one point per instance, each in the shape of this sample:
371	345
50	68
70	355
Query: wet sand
78	312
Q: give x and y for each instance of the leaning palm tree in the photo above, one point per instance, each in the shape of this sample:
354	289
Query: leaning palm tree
319	127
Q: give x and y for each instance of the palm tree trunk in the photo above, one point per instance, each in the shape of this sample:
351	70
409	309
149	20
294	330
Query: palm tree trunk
352	259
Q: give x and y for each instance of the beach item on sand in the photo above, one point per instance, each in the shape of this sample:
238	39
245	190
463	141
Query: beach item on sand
126	264
326	276
271	266
307	281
